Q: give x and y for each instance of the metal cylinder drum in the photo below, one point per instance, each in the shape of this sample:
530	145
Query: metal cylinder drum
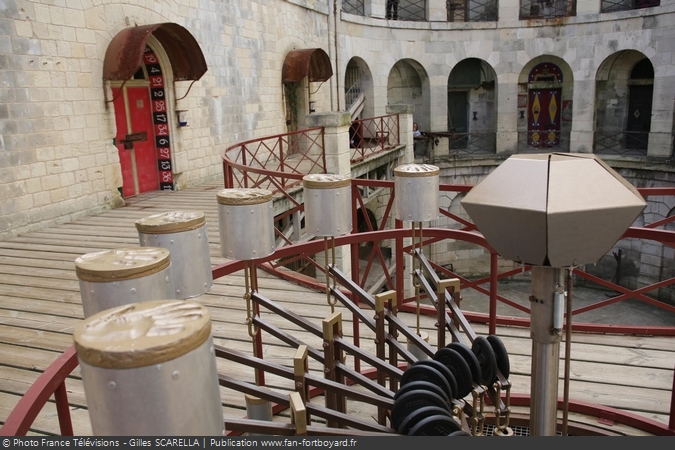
258	409
149	369
185	235
246	223
415	350
122	276
328	204
416	197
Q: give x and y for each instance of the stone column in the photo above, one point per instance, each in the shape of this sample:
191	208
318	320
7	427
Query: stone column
405	121
507	114
660	137
583	116
338	155
437	10
588	7
375	8
509	10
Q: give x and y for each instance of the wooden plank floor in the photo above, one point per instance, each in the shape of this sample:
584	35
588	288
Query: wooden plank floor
40	306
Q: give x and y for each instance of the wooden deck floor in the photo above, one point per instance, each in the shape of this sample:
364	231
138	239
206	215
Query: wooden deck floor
40	305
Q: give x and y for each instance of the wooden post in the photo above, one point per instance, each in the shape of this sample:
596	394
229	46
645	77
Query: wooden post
380	343
443	285
298	414
332	329
300	369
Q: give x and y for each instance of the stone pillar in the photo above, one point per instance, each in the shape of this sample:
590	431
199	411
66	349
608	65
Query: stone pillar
338	155
660	138
405	121
588	7
437	10
375	8
509	10
583	116
507	114
336	139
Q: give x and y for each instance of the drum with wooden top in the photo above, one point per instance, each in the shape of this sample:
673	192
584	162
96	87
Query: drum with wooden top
185	235
122	276
246	223
416	198
149	369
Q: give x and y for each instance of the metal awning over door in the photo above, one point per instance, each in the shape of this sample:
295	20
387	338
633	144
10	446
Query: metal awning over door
312	63
124	55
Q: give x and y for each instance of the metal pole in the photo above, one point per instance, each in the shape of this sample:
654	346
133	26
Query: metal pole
546	282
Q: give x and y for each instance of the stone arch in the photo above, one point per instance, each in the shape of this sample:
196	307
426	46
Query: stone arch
545	93
408	83
358	80
472	106
623	98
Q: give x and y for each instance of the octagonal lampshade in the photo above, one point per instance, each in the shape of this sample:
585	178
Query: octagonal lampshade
556	210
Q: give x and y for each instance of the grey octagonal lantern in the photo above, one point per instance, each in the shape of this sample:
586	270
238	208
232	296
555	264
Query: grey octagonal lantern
551	211
556	210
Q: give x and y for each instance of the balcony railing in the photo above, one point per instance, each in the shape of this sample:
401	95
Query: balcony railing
300	152
371	136
353	7
545	9
543	141
472	10
625	5
411	10
625	143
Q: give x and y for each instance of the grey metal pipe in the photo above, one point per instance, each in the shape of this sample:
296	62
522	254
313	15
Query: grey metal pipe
545	351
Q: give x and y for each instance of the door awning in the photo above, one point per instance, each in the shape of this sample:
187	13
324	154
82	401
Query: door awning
313	63
125	52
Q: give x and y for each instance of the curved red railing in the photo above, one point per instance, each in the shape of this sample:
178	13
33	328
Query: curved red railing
52	381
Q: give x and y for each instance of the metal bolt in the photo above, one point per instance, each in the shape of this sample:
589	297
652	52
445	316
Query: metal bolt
175	375
133	290
171	242
112	385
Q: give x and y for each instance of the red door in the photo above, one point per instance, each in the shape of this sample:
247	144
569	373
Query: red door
136	141
544	118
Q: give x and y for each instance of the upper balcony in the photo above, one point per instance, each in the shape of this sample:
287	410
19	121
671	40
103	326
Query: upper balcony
483	10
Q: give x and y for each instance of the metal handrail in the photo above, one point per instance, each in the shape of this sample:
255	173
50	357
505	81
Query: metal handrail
626	5
373	135
297	152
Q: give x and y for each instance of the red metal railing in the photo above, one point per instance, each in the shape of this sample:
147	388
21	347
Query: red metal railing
375	135
53	379
299	152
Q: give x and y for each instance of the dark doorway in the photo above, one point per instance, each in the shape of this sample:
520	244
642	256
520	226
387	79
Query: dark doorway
458	120
639	116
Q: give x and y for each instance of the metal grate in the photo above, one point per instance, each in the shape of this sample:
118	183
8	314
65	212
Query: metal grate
542	141
412	10
489	430
471	10
472	144
624	143
625	5
374	135
544	9
353	7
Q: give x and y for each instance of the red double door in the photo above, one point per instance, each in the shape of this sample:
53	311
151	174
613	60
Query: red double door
544	107
136	140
